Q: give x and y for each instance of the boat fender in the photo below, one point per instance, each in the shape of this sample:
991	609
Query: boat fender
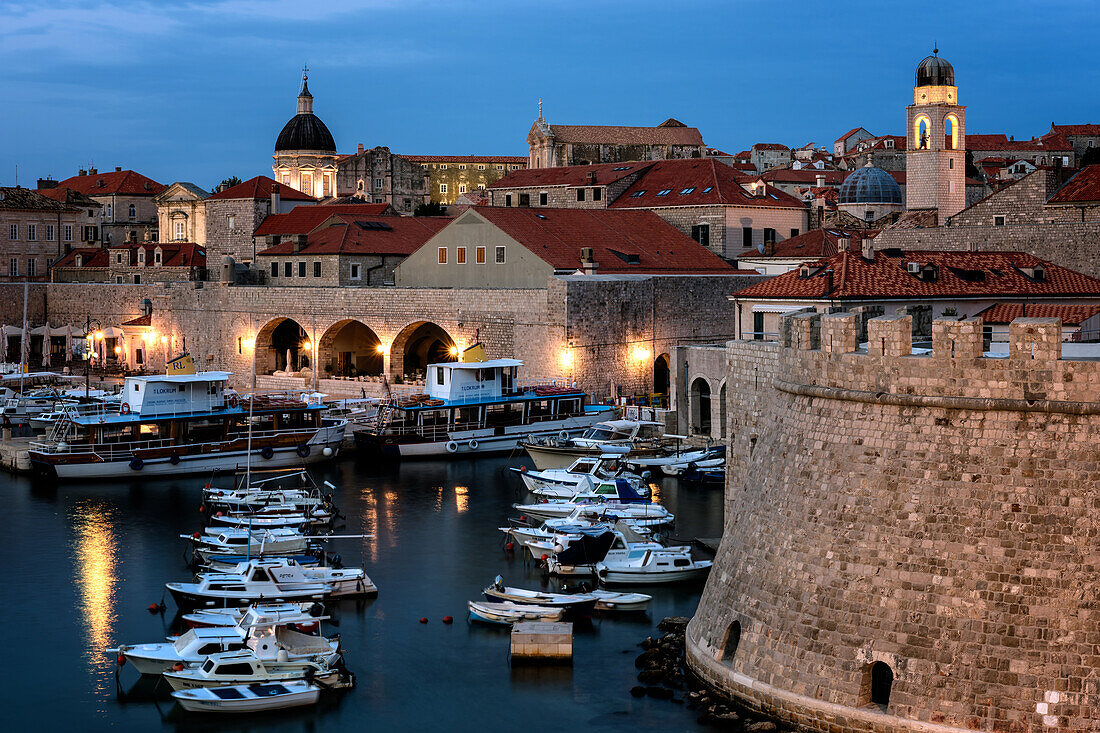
137	464
452	446
327	452
303	451
125	409
174	459
563	435
545	557
523	469
197	535
178	666
233	402
121	660
266	451
473	444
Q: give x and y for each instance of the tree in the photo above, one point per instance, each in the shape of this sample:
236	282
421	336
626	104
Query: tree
1091	157
971	169
228	183
432	208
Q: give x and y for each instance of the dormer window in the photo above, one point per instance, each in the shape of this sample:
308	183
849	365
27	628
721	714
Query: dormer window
157	256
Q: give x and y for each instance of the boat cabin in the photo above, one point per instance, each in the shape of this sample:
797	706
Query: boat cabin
621	431
161	394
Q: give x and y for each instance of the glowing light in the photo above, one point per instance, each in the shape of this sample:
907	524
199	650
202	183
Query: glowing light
99	335
462	499
453	351
567	358
164	340
95	558
640	353
307	345
118	350
382	349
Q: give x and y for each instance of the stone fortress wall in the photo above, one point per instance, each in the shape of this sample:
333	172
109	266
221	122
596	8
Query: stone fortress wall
919	525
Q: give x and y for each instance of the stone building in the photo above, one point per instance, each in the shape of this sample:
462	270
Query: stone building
378	176
234	213
181	213
551	146
35	231
935	156
127	210
1050	149
847	142
765	156
887	152
1080	137
906	532
790	254
450	176
305	153
135	263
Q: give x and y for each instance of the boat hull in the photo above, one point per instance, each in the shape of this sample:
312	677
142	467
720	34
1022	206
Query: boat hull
609	576
185	681
296	698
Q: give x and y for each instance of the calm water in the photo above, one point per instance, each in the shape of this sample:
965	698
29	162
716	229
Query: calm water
86	560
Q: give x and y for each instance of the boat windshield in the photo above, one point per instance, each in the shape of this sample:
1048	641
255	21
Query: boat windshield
208	665
603	433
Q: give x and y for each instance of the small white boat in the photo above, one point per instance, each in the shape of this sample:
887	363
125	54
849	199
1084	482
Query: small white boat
627	505
193	646
248	698
272	519
567	561
593	475
611	436
642	567
237	541
609	601
271	580
242	668
509	613
575	602
232	616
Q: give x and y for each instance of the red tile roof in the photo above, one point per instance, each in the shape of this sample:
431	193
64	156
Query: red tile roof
1086	129
511	159
960	274
1082	188
304	219
1072	315
746	167
816	244
663	134
616	237
145	320
123	183
573	175
173	254
1052	142
804	175
66	195
260	188
352	234
707	182
847	135
770	146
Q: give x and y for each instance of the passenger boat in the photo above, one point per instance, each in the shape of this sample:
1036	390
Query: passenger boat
596	475
186	423
574	603
636	437
652	566
271	580
248	698
476	408
508	613
242	668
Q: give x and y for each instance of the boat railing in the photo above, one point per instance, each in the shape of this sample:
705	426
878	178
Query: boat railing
114	451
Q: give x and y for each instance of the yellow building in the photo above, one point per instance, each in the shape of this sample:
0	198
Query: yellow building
450	176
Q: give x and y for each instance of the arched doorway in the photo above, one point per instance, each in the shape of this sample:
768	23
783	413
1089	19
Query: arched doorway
661	372
420	344
349	348
878	679
281	347
700	407
729	646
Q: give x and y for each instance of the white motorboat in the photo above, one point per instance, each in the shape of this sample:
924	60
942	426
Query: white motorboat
652	566
193	646
232	616
593	475
571	559
242	668
248	698
271	580
609	601
574	603
636	437
508	613
272	519
258	541
627	505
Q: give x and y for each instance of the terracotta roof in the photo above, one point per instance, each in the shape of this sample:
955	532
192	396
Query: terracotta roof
145	320
804	175
617	135
352	234
848	134
744	154
718	153
123	183
746	167
260	188
697	182
67	195
1083	187
1086	129
573	175
622	241
960	274
17	198
1056	143
816	243
511	159
770	146
1072	315
173	254
304	219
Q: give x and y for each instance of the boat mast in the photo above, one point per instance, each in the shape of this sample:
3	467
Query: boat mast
24	347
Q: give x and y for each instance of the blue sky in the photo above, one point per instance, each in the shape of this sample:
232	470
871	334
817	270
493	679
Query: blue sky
197	91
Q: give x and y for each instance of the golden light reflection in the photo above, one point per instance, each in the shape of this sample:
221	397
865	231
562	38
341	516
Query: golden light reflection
95	556
655	492
462	499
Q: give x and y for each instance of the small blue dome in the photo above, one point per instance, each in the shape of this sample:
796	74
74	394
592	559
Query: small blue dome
870	185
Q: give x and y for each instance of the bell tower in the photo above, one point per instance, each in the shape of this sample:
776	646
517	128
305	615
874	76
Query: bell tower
935	157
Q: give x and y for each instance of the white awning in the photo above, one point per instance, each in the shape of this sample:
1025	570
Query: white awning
763	308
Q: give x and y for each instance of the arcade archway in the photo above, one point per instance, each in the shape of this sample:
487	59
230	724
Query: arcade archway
350	348
282	345
420	344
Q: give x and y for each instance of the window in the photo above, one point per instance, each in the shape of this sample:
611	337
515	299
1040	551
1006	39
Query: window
580	194
354	271
180	231
460	255
274	269
544	198
638	194
288	269
13	232
758	326
118	258
286	179
301	269
525	199
500	167
441	255
462	188
118	279
307	183
481	167
729	646
951	164
878	678
479	255
686	191
443	188
317	269
443	167
13	267
597	194
998	221
664	192
141	256
508	199
746	236
462	167
157	256
108	211
68	232
326	185
869	215
769	235
500	255
32	232
708	189
231	221
378	183
701	234
137	279
133	211
439	375
49	232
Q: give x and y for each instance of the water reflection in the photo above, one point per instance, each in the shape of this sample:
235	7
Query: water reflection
462	499
95	556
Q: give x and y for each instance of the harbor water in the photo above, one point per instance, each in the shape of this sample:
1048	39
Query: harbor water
84	561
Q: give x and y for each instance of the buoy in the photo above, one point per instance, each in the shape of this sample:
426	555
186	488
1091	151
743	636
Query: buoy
218	514
121	660
522	518
197	535
523	469
178	666
207	486
153	608
202	508
544	557
510	546
448	619
327	452
423	620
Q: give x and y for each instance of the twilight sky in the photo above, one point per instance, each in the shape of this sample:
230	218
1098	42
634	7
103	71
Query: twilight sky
198	90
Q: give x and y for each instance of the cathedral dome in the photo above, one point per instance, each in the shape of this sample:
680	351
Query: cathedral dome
870	185
305	131
934	71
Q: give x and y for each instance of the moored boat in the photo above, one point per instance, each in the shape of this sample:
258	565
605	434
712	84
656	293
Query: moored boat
574	603
634	437
242	668
248	698
591	474
271	580
508	613
643	567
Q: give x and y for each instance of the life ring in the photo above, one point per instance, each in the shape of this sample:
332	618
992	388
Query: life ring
174	459
563	435
451	446
267	451
136	464
125	409
473	444
303	451
233	401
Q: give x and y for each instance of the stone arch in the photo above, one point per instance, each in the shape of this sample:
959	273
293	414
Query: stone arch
280	345
350	348
875	688
662	374
951	132
699	400
922	133
730	643
722	410
419	344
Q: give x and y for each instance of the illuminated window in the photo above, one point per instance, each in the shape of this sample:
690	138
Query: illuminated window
951	132
443	188
921	133
460	255
441	255
479	255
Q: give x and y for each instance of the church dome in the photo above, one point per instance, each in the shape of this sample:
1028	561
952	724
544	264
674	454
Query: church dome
934	71
870	185
305	131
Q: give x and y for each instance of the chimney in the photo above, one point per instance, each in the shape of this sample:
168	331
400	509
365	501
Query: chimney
274	198
769	247
820	180
868	246
588	263
843	244
118	169
93	171
82	172
300	242
44	183
828	281
590	177
359	148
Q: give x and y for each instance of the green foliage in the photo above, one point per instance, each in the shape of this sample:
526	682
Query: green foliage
229	182
432	208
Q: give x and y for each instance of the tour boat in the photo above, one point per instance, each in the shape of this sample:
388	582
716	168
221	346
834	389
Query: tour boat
637	437
476	408
574	603
271	580
186	423
596	475
508	613
652	566
242	668
248	698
